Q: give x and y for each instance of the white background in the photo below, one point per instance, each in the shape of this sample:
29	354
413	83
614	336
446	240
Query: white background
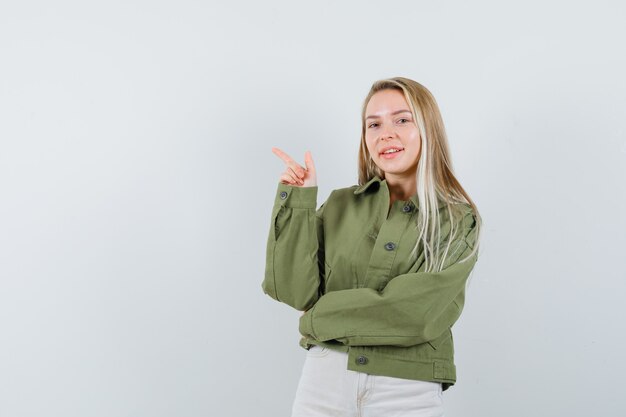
136	184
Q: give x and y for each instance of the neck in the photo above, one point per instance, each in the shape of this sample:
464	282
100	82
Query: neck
401	187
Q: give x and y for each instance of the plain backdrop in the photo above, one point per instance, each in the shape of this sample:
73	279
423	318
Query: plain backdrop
137	180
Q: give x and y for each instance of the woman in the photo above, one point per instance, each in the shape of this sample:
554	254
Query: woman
380	268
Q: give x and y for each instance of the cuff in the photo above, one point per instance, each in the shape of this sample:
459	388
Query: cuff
296	197
306	323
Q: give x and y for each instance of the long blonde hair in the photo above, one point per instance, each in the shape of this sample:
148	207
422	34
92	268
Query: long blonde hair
435	176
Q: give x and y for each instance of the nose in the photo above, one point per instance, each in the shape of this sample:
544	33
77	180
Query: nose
387	132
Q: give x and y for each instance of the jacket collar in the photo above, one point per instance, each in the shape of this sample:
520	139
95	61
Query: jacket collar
379	182
361	188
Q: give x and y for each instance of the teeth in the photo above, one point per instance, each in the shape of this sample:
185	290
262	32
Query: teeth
392	150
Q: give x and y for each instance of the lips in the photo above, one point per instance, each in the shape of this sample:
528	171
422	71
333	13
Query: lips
386	148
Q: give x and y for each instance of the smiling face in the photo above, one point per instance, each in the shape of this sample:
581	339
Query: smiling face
389	124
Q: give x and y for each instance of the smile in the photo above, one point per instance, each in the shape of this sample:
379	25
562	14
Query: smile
391	155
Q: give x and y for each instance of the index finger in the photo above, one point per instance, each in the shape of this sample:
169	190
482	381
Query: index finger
282	155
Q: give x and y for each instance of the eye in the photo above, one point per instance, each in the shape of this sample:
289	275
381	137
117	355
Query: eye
372	124
407	120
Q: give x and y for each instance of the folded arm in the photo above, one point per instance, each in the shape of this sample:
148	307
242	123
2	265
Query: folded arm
413	308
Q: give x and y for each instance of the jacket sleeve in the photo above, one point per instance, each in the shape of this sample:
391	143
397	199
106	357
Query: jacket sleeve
413	308
295	247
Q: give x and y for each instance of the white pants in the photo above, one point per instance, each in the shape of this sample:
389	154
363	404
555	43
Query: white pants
327	388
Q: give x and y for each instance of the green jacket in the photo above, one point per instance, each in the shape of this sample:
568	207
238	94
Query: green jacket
348	263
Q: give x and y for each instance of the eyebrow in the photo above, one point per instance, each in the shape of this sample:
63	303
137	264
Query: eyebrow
394	113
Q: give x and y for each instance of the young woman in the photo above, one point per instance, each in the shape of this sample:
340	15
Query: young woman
380	268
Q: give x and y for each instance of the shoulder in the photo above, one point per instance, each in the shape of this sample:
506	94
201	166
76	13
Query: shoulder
340	199
343	194
468	222
461	210
460	216
346	191
467	211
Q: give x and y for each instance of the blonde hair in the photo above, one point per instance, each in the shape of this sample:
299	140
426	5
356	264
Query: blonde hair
436	182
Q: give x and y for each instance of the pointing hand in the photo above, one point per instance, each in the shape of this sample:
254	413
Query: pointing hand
294	173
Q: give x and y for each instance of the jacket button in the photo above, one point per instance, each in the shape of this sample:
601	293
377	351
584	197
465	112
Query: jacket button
390	246
406	208
283	195
361	360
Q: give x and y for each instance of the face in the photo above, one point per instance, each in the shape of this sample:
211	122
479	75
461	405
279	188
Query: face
389	124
